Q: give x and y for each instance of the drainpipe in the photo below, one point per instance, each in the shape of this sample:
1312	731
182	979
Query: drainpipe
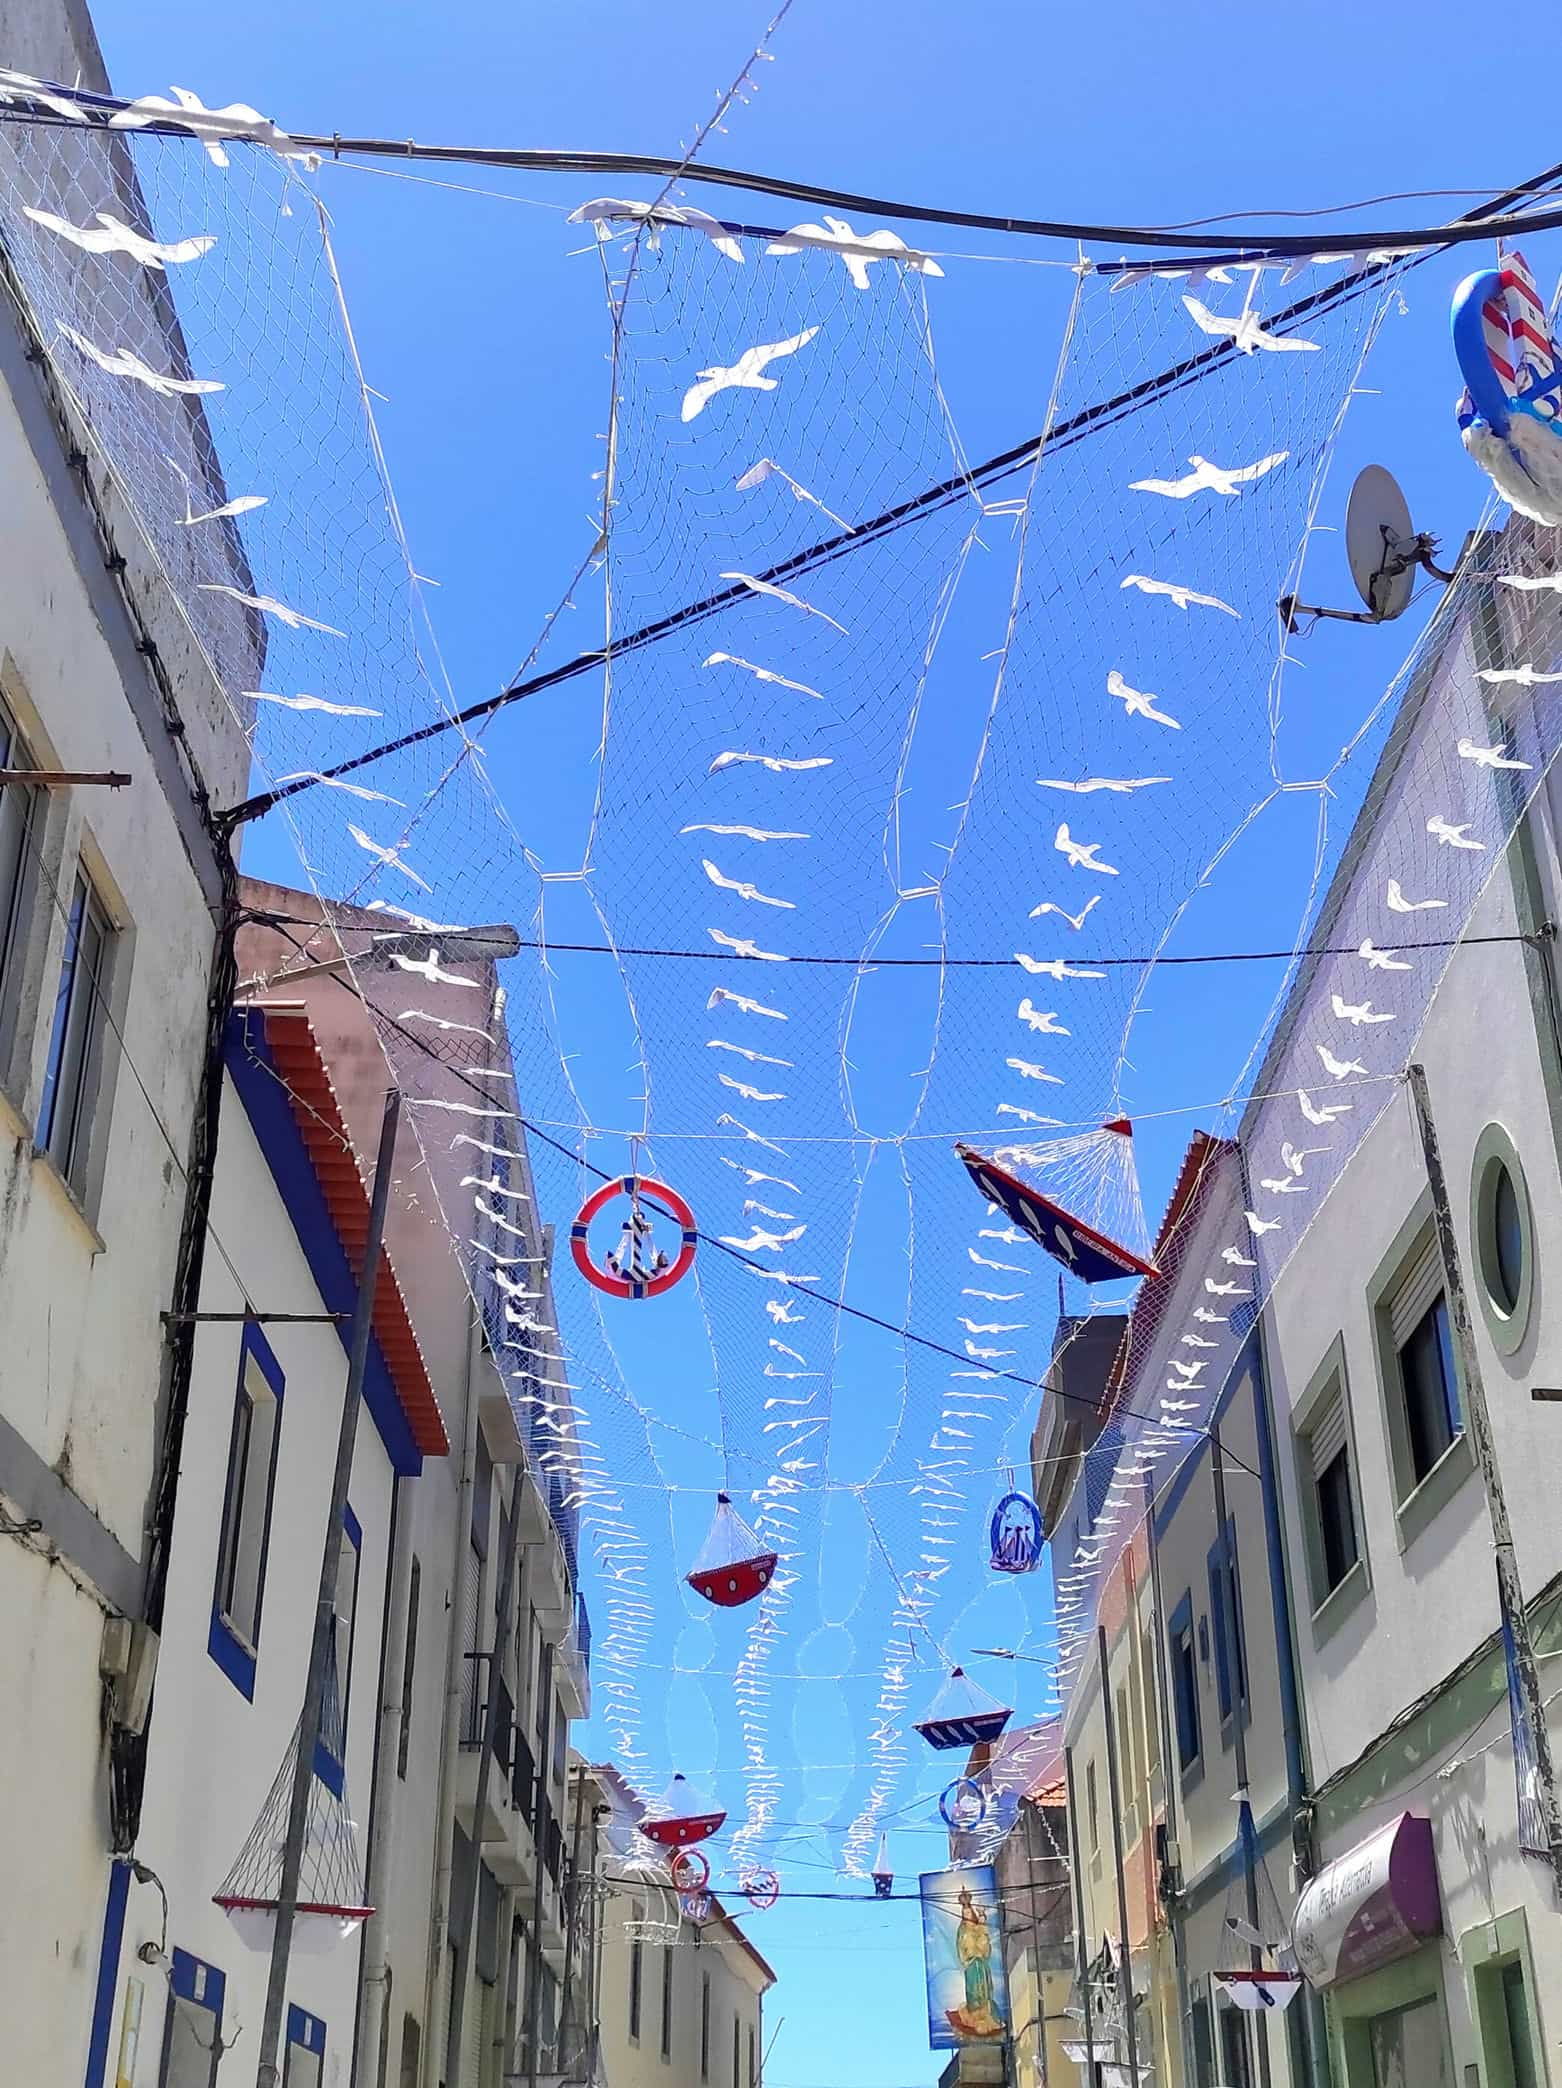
450	1739
374	1968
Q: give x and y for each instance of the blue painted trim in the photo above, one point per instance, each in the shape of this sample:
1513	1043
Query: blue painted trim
108	1974
263	1092
236	1659
192	1979
305	2030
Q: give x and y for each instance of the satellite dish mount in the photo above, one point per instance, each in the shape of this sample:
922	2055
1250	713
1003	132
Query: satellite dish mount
1383	548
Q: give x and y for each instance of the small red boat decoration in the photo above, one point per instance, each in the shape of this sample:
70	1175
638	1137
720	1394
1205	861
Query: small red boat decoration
636	1267
733	1566
679	1818
963	1715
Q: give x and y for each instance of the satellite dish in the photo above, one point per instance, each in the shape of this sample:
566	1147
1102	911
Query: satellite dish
1384	550
1380	543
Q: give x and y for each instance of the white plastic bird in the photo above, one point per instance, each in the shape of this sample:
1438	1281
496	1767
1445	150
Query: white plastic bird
760	1239
835	231
1525	677
1197	1340
1358	1013
1284	1185
1188	1370
723	995
749	1094
754	1176
1380	960
357	790
1338	1069
1206	477
777	1308
755	1058
1075	921
388	858
992	1326
1223	1290
1122	784
1182	596
764	674
1007	1268
1489	757
1029	1070
295	619
1136	704
1245	331
745	947
1294	1159
746	374
430	971
1538	583
1255	1224
1398	903
1210	1319
312	703
1026	1116
1081	854
1320	1115
187	112
1056	967
1179	1406
1447	835
743	889
776	763
768	468
601	211
752	1207
114	237
1043	1023
121	362
783	594
744	833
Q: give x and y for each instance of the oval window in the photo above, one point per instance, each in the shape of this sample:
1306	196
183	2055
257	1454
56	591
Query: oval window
1505	1275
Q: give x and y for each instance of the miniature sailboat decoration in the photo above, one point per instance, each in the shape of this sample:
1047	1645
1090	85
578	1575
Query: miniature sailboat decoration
681	1817
962	1714
1077	1197
732	1566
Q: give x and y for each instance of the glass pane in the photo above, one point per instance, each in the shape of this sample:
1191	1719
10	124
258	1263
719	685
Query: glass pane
16	815
302	2069
64	994
1407	2048
191	2055
1431	1398
1516	2015
1336	1519
1507	1235
1236	2048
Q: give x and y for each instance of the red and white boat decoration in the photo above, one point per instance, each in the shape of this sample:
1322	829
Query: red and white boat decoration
732	1566
681	1818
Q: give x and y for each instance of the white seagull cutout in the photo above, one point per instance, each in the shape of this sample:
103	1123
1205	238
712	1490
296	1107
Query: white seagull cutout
768	468
1137	704
755	1058
1122	784
429	970
1294	1159
1182	596
1026	1116
1489	757
1081	854
1206	477
746	833
743	889
1224	1290
1038	1019
744	947
120	362
764	674
888	246
1338	1069
1380	960
1284	1185
1324	1115
357	790
1447	835
741	1001
1029	1070
1526	677
750	1094
388	858
1075	921
1208	1318
295	619
114	237
1057	967
602	210
1360	1013
1538	583
312	703
1196	1341
1245	331
760	1239
746	374
1398	903
776	763
1233	1256
783	594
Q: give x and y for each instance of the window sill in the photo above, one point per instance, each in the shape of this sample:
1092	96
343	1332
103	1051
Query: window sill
13	1123
1344	1597
1192	1776
232	1655
1432	1494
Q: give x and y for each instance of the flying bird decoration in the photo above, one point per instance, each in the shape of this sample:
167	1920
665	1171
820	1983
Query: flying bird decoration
836	232
123	362
1447	835
1489	757
1184	597
1056	967
778	764
743	889
1136	704
1316	1114
430	970
1042	1022
1029	1070
312	703
1380	960
267	605
388	858
1075	921
1122	784
1398	903
1082	855
602	211
764	674
746	374
724	996
1245	332
784	594
1337	1068
1525	677
743	946
111	236
1360	1014
767	468
1206	477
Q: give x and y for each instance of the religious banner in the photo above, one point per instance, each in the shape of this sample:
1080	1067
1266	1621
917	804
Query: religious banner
1533	1838
962	1942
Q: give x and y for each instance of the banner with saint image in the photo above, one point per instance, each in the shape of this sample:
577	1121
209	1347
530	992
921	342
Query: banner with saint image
962	1942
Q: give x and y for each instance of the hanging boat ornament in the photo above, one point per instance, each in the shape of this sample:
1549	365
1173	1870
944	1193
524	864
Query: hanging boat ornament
689	1870
762	1888
1508	415
681	1817
962	1715
732	1566
1015	1535
1256	1990
962	1805
1253	1919
1077	1198
883	1873
637	1267
695	1907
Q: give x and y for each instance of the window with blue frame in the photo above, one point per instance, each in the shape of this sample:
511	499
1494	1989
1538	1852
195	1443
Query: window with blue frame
1184	1682
329	1763
303	2056
1225	1618
237	1599
192	2028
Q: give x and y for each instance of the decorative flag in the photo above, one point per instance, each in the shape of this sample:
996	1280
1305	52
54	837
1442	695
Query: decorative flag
1533	1840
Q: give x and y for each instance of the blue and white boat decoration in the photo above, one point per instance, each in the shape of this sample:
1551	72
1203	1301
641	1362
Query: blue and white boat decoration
1512	370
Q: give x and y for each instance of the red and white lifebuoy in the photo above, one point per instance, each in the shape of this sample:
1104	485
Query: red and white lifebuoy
689	1870
762	1888
638	1188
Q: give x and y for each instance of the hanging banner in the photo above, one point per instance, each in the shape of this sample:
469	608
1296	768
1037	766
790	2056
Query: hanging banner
962	1942
1533	1839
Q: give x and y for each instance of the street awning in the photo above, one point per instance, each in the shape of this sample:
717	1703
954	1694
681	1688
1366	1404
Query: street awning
1376	1903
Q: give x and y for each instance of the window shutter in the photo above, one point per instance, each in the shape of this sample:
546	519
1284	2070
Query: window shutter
1326	1437
1416	1292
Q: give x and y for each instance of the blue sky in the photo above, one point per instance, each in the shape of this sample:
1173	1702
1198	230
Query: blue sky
481	321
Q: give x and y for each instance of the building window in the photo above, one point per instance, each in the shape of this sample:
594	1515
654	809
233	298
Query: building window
704	2026
1225	1621
753	2059
1502	1231
667	2001
192	2028
303	2056
19	817
234	1639
329	1765
737	2032
636	1985
1203	2047
409	1663
1424	1380
1092	1808
1332	1498
73	1069
1236	2048
1185	1683
1515	2018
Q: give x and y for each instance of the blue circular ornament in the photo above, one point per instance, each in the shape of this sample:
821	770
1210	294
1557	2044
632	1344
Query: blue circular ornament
1015	1535
962	1805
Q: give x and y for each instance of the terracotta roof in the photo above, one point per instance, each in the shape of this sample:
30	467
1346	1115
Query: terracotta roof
294	1047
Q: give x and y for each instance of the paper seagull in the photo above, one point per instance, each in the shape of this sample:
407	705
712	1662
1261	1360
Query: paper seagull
1081	854
1526	677
1028	1070
1057	967
776	763
1224	1290
1255	1224
1137	704
1182	596
1245	332
1044	1024
782	594
837	232
1532	584
764	674
755	1058
120	362
1449	836
114	237
1122	784
1339	1068
1206	477
602	210
1284	1185
746	374
1380	960
768	468
1316	1115
745	833
388	858
749	1094
1489	757
428	969
1075	921
1360	1013
1398	903
724	994
743	946
743	889
312	703
759	1239
295	619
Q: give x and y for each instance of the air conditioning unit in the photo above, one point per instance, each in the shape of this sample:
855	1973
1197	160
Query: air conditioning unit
127	1660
